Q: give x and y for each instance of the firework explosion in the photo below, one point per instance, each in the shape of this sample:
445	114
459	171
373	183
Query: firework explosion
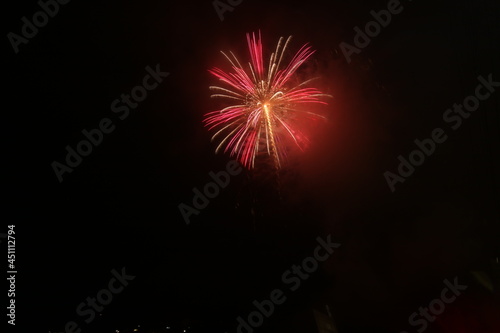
266	108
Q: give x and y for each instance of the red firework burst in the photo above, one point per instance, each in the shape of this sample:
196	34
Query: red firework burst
266	107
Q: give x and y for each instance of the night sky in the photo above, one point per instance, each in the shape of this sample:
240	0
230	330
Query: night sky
119	207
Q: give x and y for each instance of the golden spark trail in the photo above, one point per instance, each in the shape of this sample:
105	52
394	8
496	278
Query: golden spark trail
274	151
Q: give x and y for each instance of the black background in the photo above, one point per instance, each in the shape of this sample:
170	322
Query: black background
119	208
